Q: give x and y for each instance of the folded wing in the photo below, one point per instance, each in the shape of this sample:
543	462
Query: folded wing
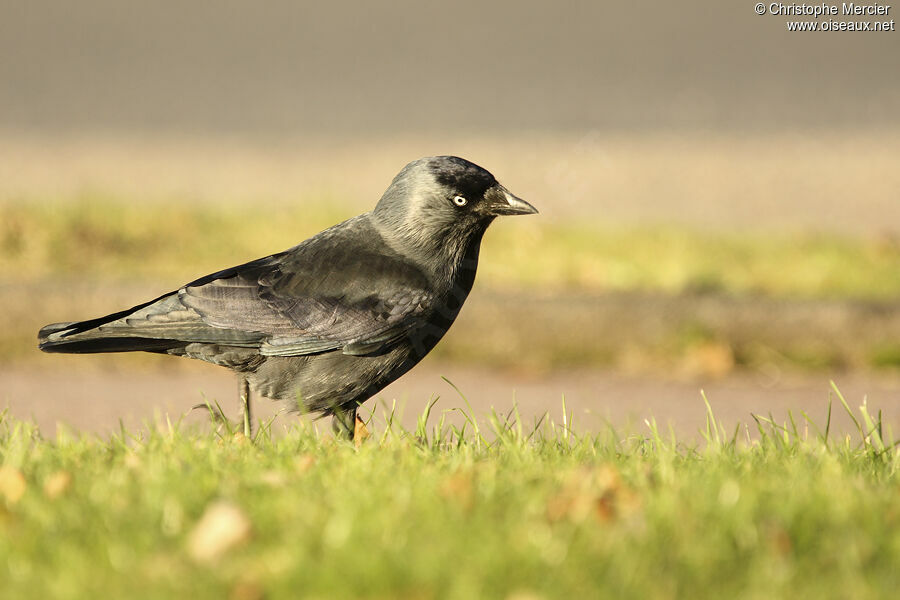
341	290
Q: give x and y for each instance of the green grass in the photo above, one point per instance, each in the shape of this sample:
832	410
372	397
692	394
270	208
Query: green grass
492	510
111	238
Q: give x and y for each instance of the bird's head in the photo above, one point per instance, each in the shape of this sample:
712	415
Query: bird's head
439	199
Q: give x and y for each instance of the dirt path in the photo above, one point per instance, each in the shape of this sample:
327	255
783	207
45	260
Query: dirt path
95	401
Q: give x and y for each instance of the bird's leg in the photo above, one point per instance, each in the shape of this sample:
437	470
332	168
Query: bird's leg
343	421
245	406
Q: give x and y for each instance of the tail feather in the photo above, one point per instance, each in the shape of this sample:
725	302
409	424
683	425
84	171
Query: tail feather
156	326
85	337
54	338
52	328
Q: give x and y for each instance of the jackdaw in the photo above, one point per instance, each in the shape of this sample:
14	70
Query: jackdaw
330	322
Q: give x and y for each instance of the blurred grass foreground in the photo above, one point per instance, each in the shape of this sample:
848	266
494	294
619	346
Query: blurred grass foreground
498	509
575	287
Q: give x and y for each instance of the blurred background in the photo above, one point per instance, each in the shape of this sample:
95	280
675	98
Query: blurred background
720	198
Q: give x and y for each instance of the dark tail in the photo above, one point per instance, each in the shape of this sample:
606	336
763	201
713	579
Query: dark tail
52	339
86	337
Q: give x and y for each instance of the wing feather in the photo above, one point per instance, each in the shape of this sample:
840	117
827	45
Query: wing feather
348	292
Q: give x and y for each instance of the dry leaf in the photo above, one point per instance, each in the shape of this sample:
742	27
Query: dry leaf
711	359
459	487
56	484
607	478
360	432
222	527
12	484
559	506
304	463
246	590
524	595
273	478
132	461
598	492
780	540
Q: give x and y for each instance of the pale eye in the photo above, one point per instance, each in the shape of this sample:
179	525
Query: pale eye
459	201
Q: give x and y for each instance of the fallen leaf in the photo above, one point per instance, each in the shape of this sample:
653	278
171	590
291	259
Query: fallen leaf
246	590
559	506
56	484
304	463
607	478
222	527
711	359
780	540
12	484
524	595
132	461
598	491
458	487
273	478
360	432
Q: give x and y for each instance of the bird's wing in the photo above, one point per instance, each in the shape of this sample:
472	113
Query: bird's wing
339	290
158	325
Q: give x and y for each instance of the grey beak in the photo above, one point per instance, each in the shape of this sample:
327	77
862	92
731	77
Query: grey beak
507	204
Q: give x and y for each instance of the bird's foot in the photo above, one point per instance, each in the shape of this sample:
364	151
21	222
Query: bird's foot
343	422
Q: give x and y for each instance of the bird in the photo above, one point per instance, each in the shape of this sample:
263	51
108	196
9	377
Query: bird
328	323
